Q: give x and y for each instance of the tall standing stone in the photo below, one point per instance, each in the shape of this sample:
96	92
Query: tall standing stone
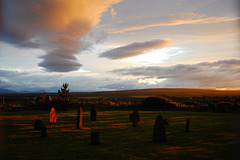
159	132
43	130
52	116
187	125
79	118
93	114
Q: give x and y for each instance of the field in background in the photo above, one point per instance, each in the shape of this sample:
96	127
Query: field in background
184	99
212	136
169	92
142	93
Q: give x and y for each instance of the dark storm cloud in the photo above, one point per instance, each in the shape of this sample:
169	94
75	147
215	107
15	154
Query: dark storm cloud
135	49
59	63
16	37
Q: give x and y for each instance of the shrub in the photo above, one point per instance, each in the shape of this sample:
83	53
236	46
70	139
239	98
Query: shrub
158	103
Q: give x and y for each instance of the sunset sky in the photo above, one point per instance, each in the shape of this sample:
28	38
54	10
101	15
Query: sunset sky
99	45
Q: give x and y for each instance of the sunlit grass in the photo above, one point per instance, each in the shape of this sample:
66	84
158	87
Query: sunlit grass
211	136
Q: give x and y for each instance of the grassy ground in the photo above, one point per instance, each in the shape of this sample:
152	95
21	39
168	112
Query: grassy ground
212	136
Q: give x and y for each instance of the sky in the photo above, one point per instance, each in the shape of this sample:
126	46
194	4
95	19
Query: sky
105	45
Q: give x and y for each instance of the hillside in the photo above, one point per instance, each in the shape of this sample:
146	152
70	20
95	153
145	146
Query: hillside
141	93
178	92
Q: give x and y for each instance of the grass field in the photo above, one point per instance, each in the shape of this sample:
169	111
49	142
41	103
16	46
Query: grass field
212	136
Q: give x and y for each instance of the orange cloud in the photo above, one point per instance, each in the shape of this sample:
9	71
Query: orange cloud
55	26
113	12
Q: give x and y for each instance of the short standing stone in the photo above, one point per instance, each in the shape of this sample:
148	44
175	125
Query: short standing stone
37	125
187	125
79	118
159	132
93	114
43	130
135	118
135	113
52	116
95	137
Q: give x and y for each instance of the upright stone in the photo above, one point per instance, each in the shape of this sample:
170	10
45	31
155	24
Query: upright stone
37	124
52	116
187	125
79	118
135	114
159	132
134	117
93	114
95	137
43	130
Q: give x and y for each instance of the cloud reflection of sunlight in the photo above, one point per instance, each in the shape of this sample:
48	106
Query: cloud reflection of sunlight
151	81
155	56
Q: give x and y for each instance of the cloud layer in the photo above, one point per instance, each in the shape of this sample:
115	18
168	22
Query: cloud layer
54	26
220	74
168	20
135	49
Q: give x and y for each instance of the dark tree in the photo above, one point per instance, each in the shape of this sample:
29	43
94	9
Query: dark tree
158	103
64	93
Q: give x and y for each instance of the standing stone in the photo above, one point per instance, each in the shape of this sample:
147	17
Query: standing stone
79	118
135	113
134	117
43	130
52	116
38	124
159	133
95	137
135	121
187	125
93	114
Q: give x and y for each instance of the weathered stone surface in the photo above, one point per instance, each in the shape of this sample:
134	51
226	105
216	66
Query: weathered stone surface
159	132
187	125
134	113
52	116
43	130
93	114
37	124
134	117
79	118
95	137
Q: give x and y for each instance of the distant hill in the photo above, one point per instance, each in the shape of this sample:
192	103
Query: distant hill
139	93
178	92
6	91
33	91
